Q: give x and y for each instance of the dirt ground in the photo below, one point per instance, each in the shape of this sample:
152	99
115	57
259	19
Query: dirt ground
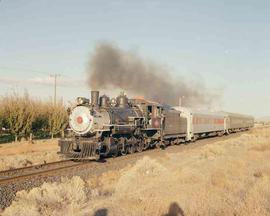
21	154
226	177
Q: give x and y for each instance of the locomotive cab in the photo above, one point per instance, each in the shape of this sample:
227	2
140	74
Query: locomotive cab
154	114
152	111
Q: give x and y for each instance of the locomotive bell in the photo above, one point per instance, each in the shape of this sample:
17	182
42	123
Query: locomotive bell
122	100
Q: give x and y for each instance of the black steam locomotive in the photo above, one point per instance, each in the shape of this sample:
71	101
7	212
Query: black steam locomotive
112	127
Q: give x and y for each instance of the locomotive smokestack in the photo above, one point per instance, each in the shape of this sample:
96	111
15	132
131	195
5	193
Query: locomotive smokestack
94	98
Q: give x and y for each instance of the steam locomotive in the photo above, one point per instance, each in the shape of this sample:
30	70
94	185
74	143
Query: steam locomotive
110	127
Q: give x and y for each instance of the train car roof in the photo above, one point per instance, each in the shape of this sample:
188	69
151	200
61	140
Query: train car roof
237	115
198	111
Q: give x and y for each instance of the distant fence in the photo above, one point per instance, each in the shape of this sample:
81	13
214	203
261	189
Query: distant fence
6	137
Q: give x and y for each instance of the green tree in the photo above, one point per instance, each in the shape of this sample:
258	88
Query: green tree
19	114
57	118
40	123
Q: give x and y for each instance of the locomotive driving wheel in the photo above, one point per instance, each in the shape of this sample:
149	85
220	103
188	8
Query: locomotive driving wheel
123	148
132	145
161	144
131	149
139	146
124	151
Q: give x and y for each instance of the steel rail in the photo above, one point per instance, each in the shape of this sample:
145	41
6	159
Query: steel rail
10	176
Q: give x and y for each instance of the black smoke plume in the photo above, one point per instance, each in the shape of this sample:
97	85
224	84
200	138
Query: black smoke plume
111	67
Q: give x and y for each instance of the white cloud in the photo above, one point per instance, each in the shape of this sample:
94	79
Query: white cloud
42	80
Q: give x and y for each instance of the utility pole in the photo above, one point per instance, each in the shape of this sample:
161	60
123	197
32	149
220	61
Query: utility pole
180	100
55	84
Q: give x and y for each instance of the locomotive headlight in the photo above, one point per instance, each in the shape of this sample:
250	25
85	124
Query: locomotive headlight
80	120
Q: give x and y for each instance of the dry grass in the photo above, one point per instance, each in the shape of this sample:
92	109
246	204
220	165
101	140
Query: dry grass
21	154
224	178
65	198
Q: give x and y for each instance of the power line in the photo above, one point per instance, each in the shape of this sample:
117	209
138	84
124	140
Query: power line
28	70
22	69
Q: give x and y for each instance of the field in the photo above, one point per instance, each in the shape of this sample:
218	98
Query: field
21	154
225	177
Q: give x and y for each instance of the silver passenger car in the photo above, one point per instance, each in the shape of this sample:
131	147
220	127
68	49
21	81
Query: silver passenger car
202	123
237	122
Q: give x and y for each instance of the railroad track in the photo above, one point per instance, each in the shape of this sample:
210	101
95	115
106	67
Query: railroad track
59	167
40	170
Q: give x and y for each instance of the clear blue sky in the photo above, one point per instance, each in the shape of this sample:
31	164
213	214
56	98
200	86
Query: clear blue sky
225	43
